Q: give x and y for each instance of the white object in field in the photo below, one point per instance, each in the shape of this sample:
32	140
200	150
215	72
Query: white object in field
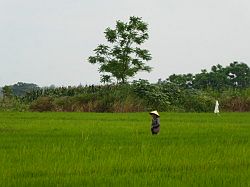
216	108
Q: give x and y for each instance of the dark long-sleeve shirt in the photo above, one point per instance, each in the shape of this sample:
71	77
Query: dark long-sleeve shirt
155	122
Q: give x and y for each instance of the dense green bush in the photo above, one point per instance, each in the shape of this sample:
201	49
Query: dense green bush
111	98
229	85
13	104
42	104
63	104
236	100
135	97
197	101
152	94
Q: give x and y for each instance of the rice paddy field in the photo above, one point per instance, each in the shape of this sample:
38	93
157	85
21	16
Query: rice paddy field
106	149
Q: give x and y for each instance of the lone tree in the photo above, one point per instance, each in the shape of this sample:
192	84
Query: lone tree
123	58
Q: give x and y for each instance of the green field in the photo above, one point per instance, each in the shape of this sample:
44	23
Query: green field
89	149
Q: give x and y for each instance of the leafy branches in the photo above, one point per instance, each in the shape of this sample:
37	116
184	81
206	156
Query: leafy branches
123	58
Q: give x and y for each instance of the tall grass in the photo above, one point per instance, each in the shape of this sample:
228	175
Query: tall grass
93	149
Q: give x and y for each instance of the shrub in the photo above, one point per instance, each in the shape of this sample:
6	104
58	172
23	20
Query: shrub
63	104
12	104
153	95
43	104
236	100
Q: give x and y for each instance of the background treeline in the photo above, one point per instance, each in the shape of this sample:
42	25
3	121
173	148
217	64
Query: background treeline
185	93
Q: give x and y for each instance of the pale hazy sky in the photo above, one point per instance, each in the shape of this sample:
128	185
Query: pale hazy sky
48	41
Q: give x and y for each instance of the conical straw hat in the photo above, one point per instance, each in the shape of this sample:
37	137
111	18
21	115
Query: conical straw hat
155	112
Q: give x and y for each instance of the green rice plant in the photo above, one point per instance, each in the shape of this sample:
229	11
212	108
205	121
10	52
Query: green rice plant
106	149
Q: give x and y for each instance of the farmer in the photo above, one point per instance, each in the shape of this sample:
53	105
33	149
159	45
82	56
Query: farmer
155	126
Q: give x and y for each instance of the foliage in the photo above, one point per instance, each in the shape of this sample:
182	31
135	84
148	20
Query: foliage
107	98
153	95
235	100
7	92
63	104
183	93
12	104
42	104
197	101
123	58
236	75
239	75
20	89
139	96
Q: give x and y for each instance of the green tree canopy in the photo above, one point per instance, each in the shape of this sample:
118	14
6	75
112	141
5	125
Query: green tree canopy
7	92
21	88
123	58
236	75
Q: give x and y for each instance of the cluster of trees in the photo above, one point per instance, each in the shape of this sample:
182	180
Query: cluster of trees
236	75
185	93
121	60
18	89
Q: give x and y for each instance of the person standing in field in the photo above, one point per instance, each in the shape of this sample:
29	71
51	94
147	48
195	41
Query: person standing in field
155	126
